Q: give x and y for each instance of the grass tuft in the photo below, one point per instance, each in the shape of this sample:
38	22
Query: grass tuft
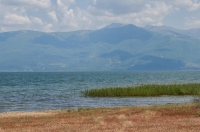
146	90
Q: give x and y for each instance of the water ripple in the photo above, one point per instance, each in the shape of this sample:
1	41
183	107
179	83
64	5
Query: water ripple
61	90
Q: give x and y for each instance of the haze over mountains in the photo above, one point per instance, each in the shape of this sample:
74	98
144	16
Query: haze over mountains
114	47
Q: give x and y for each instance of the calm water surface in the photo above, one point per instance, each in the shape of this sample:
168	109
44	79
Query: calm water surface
62	90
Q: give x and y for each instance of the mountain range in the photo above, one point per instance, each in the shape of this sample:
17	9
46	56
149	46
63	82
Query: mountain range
114	47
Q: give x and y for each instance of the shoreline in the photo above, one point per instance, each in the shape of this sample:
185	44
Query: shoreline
90	108
170	117
48	112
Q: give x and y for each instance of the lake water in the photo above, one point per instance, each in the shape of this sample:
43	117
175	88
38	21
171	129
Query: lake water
62	90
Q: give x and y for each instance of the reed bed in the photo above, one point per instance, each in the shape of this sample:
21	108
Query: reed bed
146	90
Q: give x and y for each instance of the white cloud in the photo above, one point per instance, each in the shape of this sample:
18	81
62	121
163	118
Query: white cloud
65	2
35	3
68	2
68	20
59	2
65	15
193	22
117	6
53	15
37	20
47	28
147	14
3	29
14	19
191	5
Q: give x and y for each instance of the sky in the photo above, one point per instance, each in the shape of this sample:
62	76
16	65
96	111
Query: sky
72	15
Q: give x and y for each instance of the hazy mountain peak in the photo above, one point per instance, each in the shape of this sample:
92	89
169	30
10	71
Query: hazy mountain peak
163	27
114	25
195	33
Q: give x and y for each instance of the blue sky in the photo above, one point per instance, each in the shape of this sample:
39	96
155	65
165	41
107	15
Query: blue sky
71	15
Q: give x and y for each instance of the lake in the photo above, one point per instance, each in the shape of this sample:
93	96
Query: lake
35	91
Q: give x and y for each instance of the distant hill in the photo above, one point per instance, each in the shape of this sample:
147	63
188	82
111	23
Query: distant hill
115	47
195	33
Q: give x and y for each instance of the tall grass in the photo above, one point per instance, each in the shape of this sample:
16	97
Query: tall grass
146	90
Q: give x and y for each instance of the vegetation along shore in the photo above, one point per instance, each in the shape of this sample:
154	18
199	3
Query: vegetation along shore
145	90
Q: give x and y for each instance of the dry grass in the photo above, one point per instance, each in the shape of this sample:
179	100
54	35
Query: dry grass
165	118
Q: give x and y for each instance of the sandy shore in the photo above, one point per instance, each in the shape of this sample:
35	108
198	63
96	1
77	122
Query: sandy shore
167	118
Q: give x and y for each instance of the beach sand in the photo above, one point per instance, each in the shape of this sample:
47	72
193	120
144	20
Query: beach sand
166	118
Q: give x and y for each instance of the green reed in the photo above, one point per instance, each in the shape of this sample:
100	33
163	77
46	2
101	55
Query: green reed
146	90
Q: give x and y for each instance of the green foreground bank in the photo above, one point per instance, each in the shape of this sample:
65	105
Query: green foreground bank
145	90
